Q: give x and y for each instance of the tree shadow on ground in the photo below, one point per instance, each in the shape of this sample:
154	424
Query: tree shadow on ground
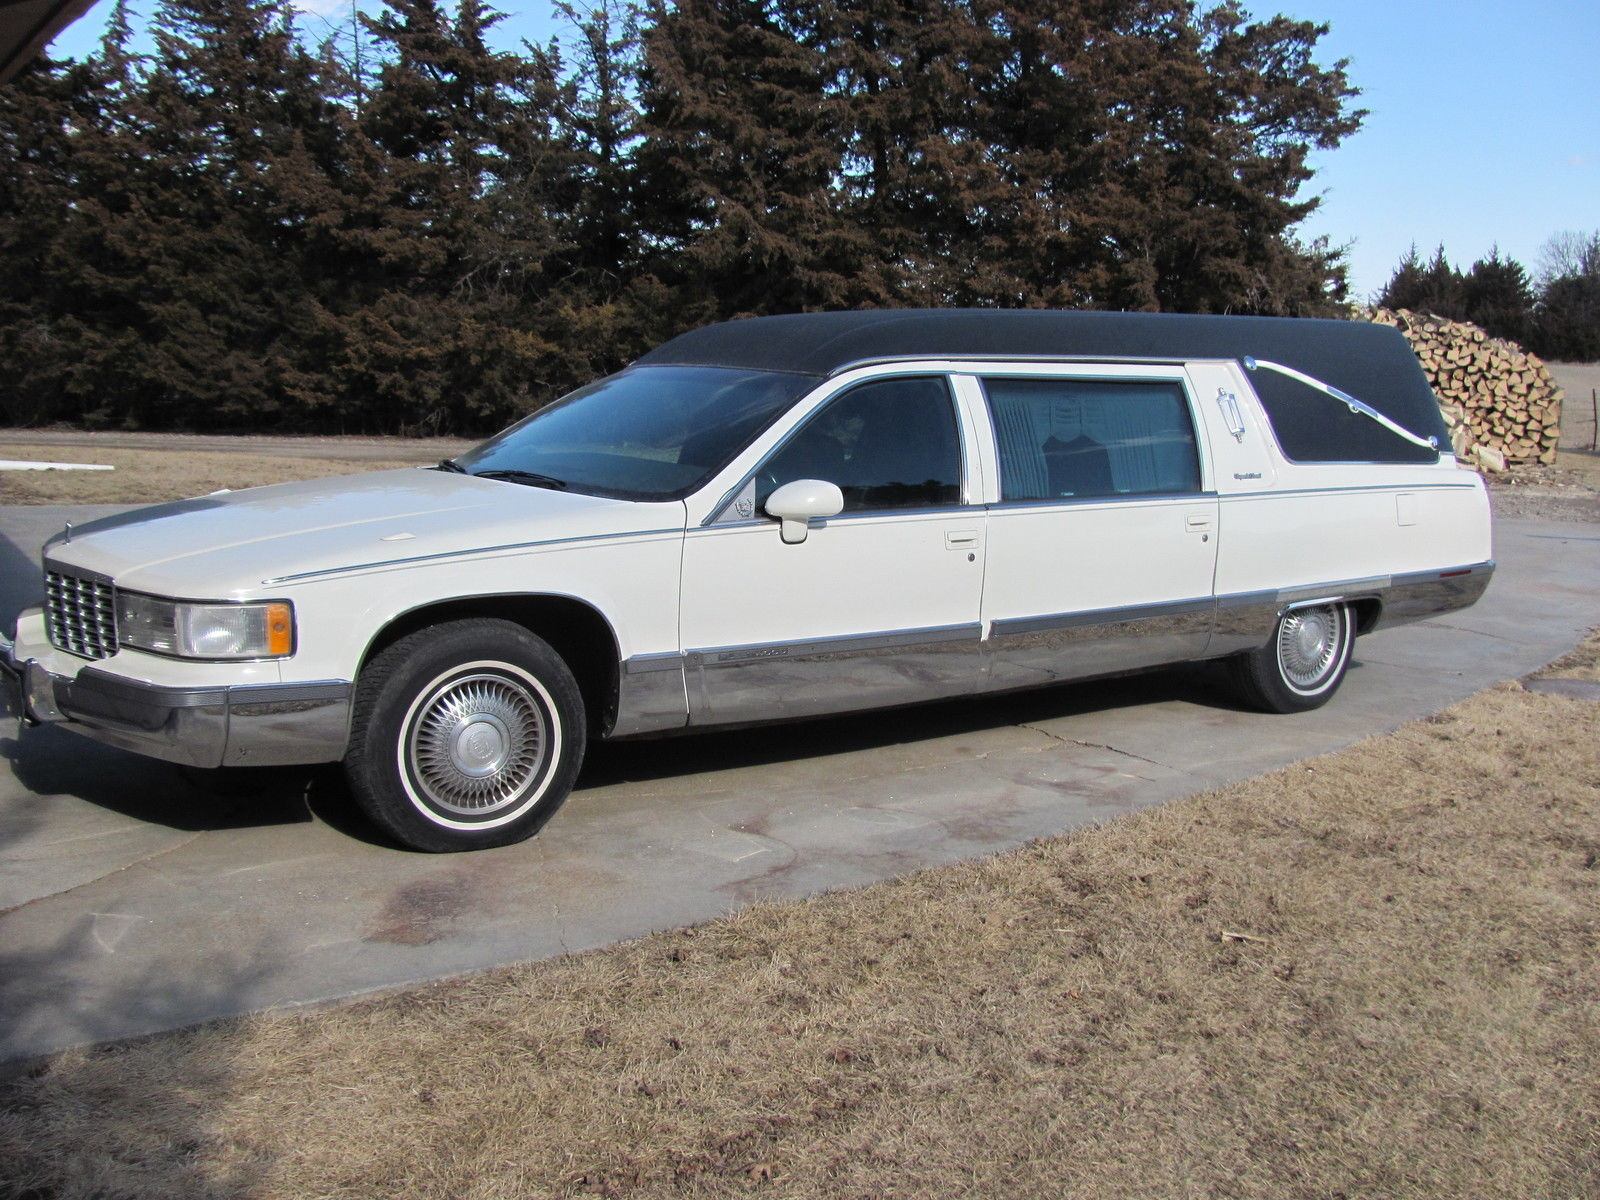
165	995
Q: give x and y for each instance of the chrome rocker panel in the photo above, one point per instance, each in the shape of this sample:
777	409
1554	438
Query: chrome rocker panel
726	685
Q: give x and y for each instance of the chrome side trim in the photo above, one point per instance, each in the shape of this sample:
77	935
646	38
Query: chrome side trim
1417	595
1415	577
766	681
720	656
442	555
1279	493
1026	360
779	680
1014	626
652	696
866	514
1127	498
1344	589
644	664
1056	647
1246	620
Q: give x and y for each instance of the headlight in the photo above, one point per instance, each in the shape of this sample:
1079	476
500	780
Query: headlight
190	630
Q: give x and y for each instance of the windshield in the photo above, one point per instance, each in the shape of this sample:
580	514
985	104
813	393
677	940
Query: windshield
649	433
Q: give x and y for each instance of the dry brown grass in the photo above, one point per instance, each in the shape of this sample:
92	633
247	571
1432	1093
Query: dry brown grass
1414	1010
1582	663
150	476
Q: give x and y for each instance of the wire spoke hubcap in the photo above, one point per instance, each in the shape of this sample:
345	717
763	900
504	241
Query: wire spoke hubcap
1309	644
476	743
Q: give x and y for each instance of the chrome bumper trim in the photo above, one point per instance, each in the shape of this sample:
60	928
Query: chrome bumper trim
212	726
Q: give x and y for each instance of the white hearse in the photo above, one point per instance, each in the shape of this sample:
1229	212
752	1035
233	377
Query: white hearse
770	519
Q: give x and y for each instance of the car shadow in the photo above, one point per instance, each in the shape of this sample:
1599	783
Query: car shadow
21	583
50	761
656	758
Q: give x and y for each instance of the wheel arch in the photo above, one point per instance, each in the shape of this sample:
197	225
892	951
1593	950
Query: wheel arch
1368	611
578	631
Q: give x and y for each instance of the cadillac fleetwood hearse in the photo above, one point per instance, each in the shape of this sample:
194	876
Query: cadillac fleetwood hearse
770	519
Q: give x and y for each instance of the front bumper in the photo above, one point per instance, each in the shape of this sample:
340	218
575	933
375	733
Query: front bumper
258	724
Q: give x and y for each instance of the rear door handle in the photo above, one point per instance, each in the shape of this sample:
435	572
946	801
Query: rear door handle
1195	522
961	539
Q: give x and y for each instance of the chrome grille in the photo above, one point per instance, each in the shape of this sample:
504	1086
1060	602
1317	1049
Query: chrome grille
80	614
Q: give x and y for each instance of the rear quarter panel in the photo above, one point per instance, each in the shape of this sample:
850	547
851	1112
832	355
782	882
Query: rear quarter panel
1284	524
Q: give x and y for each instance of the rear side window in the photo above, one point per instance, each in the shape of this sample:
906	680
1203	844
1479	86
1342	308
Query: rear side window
1312	426
888	444
1065	439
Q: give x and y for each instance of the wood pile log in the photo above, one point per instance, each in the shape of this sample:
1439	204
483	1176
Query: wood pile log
1502	406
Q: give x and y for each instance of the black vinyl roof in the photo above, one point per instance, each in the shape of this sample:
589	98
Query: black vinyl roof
1373	363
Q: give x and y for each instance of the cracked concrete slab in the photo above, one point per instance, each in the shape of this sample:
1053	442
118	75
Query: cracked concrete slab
138	900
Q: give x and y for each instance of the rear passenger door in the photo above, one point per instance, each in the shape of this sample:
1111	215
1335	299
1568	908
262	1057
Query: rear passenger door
1102	530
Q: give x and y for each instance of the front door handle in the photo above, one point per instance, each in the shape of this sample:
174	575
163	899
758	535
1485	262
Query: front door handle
961	539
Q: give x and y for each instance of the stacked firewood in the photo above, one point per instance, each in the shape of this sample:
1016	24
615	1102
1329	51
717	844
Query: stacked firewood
1501	404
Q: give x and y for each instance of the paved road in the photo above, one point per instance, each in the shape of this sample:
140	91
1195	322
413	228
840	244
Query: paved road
132	900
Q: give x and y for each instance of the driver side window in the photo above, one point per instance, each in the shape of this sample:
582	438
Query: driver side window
888	444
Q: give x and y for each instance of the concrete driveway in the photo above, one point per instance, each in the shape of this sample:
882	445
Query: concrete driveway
135	899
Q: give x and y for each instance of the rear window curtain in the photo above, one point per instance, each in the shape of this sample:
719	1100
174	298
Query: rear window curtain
1062	439
1312	426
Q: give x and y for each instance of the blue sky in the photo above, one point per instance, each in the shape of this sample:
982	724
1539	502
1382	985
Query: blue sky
1484	125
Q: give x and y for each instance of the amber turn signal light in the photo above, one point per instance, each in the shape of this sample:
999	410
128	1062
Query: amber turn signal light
280	629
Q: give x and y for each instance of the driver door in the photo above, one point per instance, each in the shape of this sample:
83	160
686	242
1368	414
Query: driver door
878	605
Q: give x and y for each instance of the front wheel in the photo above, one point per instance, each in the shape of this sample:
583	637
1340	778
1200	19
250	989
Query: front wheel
465	735
1304	663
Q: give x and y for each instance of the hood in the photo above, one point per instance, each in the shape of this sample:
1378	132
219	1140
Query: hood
227	545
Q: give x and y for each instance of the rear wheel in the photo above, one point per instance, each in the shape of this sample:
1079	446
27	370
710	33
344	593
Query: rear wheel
466	735
1304	663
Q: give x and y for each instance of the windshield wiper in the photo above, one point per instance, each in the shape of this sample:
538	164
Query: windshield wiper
531	478
451	465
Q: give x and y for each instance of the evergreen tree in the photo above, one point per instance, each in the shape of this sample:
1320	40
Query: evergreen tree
1566	323
924	200
598	119
463	149
1496	295
742	151
409	229
1405	285
1435	287
36	118
609	305
214	254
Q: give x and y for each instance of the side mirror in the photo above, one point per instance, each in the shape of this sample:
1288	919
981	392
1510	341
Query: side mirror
795	504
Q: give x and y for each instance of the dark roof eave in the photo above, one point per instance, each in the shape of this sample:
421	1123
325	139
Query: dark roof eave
28	26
